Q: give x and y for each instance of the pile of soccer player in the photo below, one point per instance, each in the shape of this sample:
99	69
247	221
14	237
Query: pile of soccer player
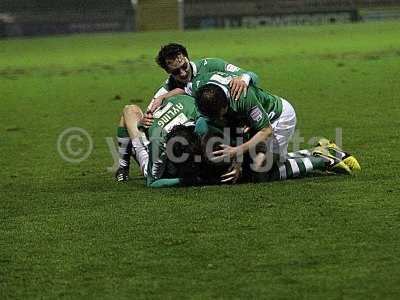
210	123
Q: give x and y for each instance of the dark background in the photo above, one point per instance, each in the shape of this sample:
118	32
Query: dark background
45	17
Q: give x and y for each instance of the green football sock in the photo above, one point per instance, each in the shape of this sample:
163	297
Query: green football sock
300	153
300	167
292	168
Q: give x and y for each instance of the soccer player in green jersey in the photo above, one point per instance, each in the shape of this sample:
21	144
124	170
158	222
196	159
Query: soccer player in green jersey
174	59
271	119
152	153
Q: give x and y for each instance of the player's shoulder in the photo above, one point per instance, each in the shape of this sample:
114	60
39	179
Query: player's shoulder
203	62
171	83
180	98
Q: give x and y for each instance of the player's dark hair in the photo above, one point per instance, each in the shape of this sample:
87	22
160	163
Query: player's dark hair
170	51
211	172
210	100
185	143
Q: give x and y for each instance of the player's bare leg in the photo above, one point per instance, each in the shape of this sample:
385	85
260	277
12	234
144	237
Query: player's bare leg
125	142
132	114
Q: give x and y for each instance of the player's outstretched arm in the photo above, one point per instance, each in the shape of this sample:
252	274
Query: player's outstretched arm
156	102
165	182
169	182
260	136
229	152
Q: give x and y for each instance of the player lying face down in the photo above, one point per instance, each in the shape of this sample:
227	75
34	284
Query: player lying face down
188	160
204	170
325	158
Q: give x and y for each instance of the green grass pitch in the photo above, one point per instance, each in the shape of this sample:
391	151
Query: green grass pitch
69	231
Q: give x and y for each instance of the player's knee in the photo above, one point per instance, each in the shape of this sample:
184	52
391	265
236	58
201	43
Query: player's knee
122	121
133	109
258	163
263	162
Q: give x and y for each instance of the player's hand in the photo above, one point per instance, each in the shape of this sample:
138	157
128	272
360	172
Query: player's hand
156	103
225	154
147	120
233	174
238	86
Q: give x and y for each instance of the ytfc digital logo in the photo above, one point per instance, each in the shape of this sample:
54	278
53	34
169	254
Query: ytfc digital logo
75	145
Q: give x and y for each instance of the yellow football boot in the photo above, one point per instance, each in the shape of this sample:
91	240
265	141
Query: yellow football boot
334	163
347	158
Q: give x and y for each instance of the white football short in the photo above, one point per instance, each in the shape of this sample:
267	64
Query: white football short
283	130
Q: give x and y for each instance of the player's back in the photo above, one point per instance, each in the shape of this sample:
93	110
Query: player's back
272	104
174	111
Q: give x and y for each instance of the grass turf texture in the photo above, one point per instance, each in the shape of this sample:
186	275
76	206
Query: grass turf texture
68	230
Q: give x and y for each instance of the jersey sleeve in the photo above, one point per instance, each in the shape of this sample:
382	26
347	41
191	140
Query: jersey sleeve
169	182
169	85
201	126
189	89
254	111
165	182
219	65
161	91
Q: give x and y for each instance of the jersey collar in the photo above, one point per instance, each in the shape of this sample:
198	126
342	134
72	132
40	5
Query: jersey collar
194	69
